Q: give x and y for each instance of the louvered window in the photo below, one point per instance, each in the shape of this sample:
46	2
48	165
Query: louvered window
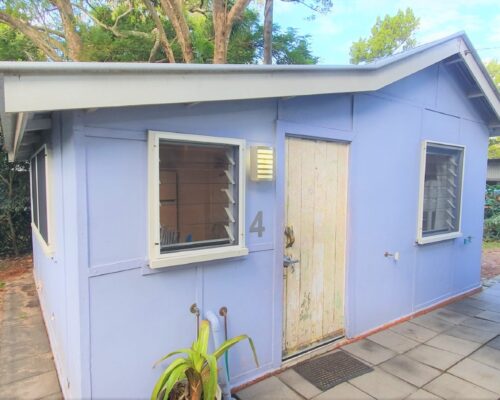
198	198
39	202
442	188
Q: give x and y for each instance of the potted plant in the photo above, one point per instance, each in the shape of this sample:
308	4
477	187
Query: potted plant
194	376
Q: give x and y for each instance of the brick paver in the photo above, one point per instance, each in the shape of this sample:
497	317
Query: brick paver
449	353
27	368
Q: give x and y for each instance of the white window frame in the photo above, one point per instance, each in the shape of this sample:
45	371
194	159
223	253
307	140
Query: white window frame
189	256
423	159
47	246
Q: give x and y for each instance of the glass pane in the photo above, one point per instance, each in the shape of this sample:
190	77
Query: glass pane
34	193
442	189
198	198
42	196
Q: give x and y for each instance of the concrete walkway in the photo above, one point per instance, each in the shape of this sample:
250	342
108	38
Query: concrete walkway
26	365
449	353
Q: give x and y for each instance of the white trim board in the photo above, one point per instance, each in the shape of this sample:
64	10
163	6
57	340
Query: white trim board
41	87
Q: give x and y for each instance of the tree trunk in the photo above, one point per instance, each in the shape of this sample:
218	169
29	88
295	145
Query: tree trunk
162	36
268	32
73	39
173	10
220	25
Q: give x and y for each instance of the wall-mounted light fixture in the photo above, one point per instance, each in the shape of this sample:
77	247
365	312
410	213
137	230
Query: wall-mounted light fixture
261	163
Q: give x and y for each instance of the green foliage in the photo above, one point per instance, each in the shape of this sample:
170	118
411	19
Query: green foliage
197	366
494	147
493	68
14	46
15	216
388	35
492	213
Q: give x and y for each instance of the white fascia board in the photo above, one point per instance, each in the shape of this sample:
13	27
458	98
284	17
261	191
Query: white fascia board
58	89
481	80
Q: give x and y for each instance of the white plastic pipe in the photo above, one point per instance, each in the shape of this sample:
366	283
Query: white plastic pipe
218	336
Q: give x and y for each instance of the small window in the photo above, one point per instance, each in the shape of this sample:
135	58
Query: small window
197	204
39	201
440	192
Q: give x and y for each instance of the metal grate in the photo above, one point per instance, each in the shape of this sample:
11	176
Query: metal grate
328	371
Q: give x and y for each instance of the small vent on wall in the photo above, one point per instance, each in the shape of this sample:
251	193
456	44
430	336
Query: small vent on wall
262	163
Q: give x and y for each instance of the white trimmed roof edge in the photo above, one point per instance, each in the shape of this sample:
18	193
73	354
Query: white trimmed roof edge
27	88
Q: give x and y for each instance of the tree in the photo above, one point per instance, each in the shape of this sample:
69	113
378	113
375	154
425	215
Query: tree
494	148
15	233
56	27
493	68
388	36
318	6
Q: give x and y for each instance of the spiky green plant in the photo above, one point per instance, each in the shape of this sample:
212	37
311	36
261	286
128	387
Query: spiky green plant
198	367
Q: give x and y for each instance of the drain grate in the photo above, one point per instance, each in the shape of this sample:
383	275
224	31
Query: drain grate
328	371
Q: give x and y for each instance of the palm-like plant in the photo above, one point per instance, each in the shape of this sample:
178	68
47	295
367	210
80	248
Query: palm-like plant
198	367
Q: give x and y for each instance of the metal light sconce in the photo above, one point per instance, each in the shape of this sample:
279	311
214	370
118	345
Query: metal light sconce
261	163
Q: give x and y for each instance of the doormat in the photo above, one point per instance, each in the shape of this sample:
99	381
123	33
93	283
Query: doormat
328	371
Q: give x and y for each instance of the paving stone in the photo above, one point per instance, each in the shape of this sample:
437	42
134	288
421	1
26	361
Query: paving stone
488	297
422	394
12	335
369	351
488	356
483	305
432	322
409	370
450	316
453	344
489	315
344	391
450	387
382	385
483	324
481	374
414	331
473	334
25	368
31	388
464	308
437	358
269	389
495	343
299	384
393	341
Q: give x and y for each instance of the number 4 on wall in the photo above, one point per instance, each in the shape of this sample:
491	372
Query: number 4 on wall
257	225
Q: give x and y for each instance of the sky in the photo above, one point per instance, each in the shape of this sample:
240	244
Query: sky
349	20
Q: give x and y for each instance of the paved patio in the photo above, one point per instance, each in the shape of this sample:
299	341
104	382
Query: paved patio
449	353
26	365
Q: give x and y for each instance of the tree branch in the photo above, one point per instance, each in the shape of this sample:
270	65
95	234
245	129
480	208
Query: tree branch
46	44
161	35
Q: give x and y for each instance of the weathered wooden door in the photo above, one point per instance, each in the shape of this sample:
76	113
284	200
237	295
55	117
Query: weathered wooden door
315	241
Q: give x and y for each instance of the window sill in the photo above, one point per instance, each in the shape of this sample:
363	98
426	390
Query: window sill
47	250
194	256
439	238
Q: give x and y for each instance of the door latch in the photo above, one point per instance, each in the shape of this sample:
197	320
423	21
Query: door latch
289	261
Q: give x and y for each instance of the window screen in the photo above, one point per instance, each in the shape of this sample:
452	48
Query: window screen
442	189
198	195
39	193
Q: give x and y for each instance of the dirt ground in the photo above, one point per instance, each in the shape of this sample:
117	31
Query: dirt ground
11	268
490	263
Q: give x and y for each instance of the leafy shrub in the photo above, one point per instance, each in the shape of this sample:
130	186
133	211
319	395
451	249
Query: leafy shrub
492	213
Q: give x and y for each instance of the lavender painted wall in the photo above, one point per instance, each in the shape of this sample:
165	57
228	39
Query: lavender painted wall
128	316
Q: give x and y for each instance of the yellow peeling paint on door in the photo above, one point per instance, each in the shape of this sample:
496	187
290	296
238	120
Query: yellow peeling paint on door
316	215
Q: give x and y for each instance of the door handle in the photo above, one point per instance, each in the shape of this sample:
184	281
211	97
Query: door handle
290	237
288	261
